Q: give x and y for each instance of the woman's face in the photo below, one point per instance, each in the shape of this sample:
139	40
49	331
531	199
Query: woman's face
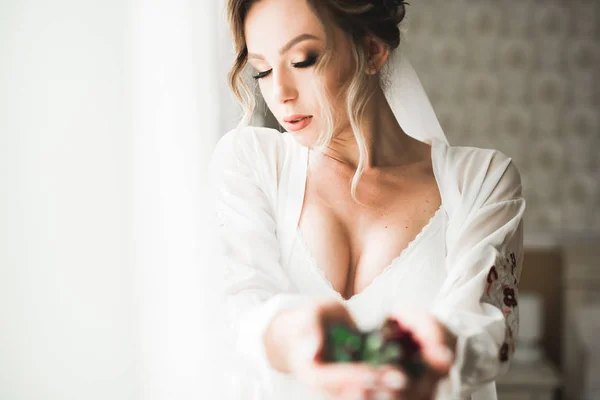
285	39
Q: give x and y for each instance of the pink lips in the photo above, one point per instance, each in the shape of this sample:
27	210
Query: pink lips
295	123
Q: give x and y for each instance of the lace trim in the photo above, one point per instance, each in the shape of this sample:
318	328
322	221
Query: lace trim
404	253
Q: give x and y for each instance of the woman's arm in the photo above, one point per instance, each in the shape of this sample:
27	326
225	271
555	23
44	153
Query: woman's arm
478	301
246	249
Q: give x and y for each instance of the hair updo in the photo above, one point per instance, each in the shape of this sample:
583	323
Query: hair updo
357	19
379	18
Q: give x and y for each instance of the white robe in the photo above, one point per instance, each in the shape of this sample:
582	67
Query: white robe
463	267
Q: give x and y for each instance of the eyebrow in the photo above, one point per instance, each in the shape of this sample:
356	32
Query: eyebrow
289	45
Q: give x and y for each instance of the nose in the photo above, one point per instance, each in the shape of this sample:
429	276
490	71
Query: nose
284	87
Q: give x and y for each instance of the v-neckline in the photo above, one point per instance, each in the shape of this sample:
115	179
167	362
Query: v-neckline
299	236
396	261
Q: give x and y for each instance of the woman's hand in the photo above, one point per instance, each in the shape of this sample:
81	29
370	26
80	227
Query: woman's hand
438	350
295	344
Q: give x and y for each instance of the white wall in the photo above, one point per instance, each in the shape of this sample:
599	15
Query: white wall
66	304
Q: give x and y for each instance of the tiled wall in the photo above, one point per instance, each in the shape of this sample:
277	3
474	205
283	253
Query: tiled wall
521	76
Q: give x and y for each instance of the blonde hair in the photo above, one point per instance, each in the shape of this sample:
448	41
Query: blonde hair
356	19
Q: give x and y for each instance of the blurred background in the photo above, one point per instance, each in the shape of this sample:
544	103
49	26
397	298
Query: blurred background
108	115
523	77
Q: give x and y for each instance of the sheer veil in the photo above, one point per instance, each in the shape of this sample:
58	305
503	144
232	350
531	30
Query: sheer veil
410	103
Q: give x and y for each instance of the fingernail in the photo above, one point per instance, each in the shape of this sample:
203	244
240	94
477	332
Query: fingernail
394	380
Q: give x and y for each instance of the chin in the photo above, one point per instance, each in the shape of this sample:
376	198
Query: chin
304	138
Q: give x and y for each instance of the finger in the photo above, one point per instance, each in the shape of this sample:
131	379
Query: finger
439	359
352	394
437	343
338	377
305	354
400	386
423	388
345	390
382	394
426	387
392	379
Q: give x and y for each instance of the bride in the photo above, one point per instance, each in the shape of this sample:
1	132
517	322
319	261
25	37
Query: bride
359	212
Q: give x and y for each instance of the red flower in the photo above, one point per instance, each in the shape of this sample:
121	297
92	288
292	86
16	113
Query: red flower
393	331
492	275
513	264
504	352
509	297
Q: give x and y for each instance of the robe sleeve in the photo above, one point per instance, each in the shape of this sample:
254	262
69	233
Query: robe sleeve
246	250
479	298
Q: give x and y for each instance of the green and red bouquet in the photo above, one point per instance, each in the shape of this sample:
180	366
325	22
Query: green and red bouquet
391	344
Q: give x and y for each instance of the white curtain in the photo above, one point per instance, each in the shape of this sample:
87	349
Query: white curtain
66	275
108	115
177	121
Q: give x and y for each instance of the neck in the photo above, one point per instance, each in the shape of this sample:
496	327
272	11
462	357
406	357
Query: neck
387	144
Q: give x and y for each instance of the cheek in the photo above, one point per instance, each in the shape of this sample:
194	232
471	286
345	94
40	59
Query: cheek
337	78
340	80
265	92
341	69
335	86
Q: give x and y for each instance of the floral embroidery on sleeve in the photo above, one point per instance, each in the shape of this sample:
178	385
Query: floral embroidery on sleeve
501	292
504	352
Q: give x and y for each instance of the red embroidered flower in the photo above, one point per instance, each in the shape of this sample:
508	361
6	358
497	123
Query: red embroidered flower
504	352
513	265
501	292
509	297
492	275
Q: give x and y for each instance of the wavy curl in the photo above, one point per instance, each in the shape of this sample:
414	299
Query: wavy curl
357	19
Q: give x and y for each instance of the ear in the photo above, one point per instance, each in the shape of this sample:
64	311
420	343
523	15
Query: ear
376	54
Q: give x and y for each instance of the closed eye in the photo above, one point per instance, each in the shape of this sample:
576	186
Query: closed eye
310	61
262	74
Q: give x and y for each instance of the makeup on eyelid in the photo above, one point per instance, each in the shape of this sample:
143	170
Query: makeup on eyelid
309	61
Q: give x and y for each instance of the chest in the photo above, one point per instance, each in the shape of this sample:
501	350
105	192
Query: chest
353	243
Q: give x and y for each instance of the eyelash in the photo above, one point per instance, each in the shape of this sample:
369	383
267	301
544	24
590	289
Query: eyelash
309	62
